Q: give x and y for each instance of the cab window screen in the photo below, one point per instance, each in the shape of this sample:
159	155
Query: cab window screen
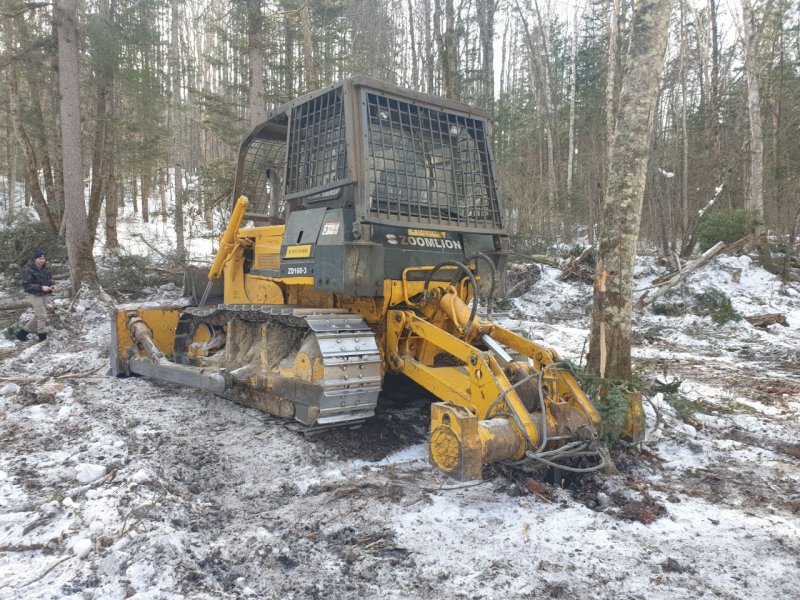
429	166
317	153
261	179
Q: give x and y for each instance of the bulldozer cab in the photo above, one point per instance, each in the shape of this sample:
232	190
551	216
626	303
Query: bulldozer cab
371	179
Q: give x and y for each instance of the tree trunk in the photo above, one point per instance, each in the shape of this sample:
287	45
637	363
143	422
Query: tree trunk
162	195
485	10
175	75
308	56
613	31
712	17
412	29
102	155
146	198
427	19
685	207
572	88
111	206
255	51
11	174
447	42
135	195
55	204
79	242
610	343
11	156
755	198
288	55
538	49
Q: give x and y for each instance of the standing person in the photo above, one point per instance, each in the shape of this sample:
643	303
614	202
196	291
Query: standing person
37	283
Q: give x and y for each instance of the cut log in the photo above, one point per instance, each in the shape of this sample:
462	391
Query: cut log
765	320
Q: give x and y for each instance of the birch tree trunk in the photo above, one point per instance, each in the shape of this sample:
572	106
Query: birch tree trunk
610	343
572	88
79	242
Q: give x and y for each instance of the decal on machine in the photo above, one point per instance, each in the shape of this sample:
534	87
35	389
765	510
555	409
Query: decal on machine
330	228
297	270
426	233
423	238
426	242
301	251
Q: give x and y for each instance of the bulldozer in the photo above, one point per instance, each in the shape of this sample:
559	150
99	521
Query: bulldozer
366	238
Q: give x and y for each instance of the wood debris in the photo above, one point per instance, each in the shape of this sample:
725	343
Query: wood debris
667	282
765	320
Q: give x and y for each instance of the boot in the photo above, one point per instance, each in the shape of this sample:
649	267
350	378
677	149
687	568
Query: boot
22	335
42	336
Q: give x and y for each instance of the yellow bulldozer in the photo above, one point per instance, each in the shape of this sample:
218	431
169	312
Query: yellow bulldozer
374	227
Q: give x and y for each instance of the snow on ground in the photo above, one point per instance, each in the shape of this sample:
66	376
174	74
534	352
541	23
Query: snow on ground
115	488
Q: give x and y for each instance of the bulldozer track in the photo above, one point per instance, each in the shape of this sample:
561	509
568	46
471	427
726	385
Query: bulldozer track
352	377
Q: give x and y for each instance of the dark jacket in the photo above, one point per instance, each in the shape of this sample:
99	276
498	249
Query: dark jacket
33	278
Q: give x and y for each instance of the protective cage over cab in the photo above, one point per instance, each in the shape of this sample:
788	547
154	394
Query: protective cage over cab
371	178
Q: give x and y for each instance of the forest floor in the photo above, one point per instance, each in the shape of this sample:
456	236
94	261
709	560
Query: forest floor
125	488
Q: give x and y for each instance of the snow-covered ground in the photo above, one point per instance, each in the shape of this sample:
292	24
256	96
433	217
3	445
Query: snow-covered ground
115	488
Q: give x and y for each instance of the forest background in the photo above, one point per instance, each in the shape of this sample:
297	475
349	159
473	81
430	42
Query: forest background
167	88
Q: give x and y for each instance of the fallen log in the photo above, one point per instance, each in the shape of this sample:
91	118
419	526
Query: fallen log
14	304
765	320
541	259
668	282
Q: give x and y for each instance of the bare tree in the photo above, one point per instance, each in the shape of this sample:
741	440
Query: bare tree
610	344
